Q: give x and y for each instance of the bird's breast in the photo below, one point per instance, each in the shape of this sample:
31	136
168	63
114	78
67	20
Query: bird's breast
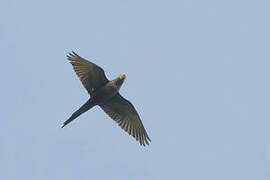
105	93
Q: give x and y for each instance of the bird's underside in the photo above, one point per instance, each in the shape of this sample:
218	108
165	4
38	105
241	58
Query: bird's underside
105	94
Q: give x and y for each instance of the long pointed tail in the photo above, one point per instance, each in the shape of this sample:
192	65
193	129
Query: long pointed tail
88	105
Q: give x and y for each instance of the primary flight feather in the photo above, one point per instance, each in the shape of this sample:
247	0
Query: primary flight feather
105	94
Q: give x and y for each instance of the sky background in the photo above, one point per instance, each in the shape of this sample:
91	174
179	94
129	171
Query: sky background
197	73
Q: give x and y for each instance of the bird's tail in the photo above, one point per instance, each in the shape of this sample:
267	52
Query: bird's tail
88	105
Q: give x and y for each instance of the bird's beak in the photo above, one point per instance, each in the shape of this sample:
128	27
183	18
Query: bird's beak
122	76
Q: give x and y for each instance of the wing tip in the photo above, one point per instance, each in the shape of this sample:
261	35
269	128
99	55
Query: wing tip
142	138
72	54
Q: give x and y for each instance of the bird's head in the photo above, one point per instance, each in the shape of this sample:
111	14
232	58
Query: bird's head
122	76
120	80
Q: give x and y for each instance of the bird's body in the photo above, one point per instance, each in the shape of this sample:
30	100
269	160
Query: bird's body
105	94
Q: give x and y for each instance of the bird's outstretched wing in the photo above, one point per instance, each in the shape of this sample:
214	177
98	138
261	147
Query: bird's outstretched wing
124	113
91	75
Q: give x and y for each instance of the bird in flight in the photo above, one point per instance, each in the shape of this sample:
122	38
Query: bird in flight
105	94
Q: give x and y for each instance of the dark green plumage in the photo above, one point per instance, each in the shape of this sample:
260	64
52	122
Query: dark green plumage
105	94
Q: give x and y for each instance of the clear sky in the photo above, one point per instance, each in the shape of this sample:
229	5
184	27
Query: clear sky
197	73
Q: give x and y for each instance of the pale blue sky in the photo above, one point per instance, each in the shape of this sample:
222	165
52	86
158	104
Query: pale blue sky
197	73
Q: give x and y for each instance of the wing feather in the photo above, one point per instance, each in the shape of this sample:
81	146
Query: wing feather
124	113
91	75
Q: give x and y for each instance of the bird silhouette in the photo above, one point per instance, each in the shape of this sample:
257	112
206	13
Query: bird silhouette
105	94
